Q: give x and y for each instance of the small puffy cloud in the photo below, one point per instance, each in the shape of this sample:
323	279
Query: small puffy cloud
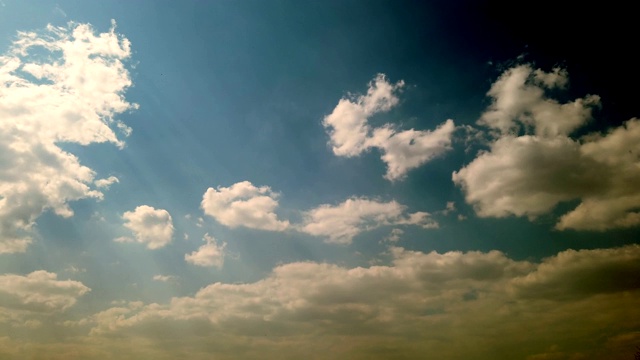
361	311
106	183
64	84
209	255
39	291
533	164
341	223
350	134
153	227
243	204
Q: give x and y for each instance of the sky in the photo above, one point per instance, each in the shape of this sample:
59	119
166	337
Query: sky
304	179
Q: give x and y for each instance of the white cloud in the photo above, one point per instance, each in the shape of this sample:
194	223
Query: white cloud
347	123
39	291
529	174
419	303
341	223
47	99
350	133
106	183
243	204
519	101
153	227
408	149
209	254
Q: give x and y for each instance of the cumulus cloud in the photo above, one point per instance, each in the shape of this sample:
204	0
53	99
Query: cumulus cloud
153	227
533	163
520	102
39	291
62	85
341	223
209	255
106	183
243	204
350	134
419	303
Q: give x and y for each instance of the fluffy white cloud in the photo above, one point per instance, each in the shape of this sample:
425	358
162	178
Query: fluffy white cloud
243	204
419	303
529	174
519	101
341	223
209	254
408	149
350	133
106	183
39	291
347	123
153	227
64	85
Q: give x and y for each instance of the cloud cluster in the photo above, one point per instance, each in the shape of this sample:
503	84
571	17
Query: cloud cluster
153	227
350	134
243	204
534	164
64	85
341	223
210	254
419	303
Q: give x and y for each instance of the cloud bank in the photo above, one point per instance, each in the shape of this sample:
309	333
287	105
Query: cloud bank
419	303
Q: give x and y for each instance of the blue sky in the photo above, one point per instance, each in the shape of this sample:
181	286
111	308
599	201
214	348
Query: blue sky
251	179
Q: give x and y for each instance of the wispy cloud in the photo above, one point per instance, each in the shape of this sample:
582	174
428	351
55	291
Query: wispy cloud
164	278
341	223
